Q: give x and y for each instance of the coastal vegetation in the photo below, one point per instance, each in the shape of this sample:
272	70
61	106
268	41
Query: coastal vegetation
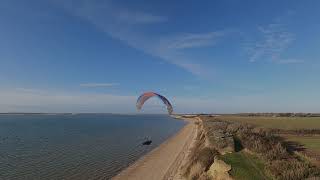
245	166
275	122
300	131
200	159
251	149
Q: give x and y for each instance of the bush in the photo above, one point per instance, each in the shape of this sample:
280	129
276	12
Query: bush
201	158
279	162
206	157
196	170
292	169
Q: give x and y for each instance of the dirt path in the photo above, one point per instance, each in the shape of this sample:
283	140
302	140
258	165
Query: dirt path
164	161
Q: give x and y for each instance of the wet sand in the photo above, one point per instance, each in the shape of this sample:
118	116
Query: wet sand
163	162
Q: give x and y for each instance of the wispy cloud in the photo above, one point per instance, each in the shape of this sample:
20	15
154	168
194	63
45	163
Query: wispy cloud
289	61
127	25
28	90
276	39
99	84
191	87
138	17
192	40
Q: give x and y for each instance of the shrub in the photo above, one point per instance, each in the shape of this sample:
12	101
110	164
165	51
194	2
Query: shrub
291	169
195	171
279	162
200	160
206	157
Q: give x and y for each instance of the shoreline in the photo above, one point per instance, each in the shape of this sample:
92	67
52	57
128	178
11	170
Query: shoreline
166	160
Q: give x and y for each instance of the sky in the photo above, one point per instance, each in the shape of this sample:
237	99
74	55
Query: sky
205	56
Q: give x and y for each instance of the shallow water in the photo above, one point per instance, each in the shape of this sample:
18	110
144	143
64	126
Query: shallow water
85	146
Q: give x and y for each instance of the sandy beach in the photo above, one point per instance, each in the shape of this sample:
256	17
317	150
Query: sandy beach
163	162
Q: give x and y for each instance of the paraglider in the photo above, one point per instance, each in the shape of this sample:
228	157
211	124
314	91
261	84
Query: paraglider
145	96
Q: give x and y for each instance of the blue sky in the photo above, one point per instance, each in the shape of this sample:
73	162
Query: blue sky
209	56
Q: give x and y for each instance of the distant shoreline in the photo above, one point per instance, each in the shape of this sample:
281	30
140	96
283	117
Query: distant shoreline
178	116
69	113
36	113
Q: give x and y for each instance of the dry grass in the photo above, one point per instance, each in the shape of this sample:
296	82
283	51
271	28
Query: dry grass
272	150
200	159
196	170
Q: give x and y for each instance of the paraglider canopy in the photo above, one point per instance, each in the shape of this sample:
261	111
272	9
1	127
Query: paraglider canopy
145	96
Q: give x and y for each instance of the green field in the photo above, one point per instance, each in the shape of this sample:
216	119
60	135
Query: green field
287	123
245	166
309	142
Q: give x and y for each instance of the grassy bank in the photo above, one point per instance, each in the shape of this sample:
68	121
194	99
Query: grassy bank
245	166
252	153
270	148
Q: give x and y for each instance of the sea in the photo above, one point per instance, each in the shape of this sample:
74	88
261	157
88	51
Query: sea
77	146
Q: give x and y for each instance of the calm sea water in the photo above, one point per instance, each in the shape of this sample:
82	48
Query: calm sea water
95	146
